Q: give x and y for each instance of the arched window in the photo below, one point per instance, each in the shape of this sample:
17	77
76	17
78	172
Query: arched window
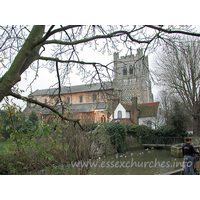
119	114
68	100
81	99
94	97
125	71
131	69
103	119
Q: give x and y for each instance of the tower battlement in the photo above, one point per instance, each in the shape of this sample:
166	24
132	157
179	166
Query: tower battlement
131	77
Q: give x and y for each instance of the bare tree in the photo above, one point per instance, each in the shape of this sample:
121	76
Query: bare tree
23	47
166	99
179	70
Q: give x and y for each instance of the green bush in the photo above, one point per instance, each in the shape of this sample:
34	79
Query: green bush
170	131
2	139
10	119
89	126
140	131
144	131
33	117
47	147
117	131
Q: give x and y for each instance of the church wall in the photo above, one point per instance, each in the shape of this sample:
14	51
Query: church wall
87	97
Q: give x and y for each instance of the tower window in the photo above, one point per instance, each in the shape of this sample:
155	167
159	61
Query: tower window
125	71
119	114
131	69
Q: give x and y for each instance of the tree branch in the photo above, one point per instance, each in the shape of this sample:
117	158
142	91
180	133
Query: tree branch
50	33
74	61
110	35
59	85
172	31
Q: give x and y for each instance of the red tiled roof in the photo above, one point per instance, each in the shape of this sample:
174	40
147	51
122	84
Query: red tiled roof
148	109
127	107
124	120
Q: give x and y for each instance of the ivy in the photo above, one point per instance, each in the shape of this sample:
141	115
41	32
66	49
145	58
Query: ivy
117	131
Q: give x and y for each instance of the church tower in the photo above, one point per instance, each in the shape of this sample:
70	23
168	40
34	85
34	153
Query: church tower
131	77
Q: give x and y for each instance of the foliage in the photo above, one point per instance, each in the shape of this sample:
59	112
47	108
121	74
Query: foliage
139	130
33	117
36	146
117	131
179	119
2	139
46	148
11	119
31	124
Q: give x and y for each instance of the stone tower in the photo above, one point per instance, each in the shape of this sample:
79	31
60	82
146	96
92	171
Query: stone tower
131	78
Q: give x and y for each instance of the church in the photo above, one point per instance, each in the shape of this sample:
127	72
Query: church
97	102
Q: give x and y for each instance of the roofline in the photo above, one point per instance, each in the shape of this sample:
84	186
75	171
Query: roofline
146	104
89	90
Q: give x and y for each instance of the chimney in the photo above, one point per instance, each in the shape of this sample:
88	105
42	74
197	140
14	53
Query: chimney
115	103
134	102
134	110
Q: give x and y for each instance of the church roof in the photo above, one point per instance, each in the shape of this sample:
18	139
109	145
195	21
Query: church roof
127	107
73	108
74	89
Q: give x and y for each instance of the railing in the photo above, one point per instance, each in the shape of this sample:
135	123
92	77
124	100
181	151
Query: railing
162	140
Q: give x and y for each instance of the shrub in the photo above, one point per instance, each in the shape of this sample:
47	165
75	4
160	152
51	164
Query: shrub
50	146
117	131
33	117
170	131
140	131
89	126
2	139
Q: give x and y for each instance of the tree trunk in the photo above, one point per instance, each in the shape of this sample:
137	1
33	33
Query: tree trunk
27	54
196	125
